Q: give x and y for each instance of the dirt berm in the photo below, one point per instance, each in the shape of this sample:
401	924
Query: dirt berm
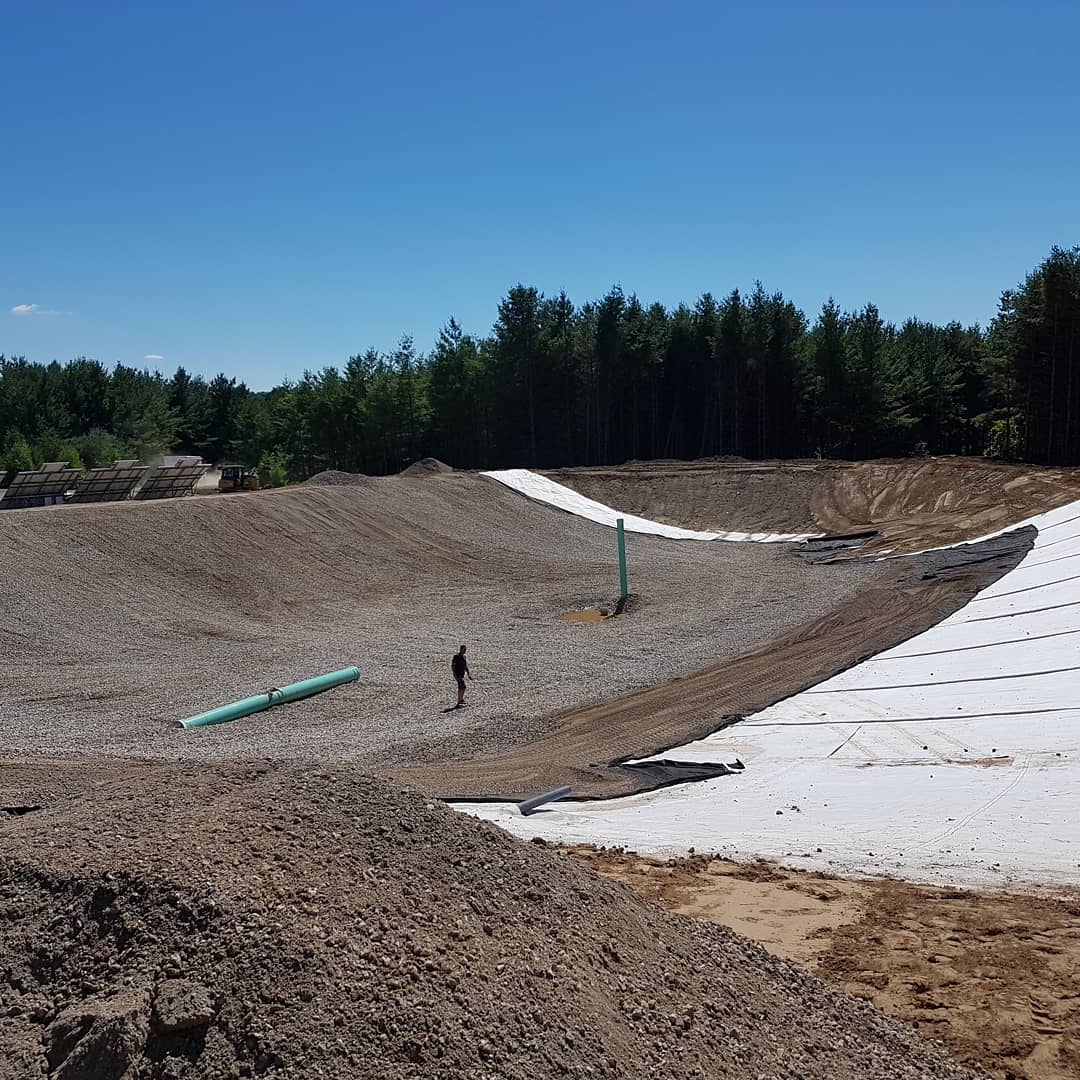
911	504
216	921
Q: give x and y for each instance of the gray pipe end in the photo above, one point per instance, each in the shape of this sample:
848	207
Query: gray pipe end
530	805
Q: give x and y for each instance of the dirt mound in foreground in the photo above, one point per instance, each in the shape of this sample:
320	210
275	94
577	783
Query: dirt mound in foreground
279	921
428	466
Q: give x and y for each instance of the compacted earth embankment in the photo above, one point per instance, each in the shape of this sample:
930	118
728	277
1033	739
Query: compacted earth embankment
909	504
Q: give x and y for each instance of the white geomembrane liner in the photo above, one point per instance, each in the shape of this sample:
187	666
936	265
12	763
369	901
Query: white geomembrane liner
545	490
952	758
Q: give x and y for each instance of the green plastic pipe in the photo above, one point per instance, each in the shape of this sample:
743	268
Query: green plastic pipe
276	696
622	557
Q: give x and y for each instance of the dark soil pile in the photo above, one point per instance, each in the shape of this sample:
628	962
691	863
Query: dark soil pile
281	921
428	466
337	478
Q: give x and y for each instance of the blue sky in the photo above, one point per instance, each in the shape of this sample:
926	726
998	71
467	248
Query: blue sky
263	188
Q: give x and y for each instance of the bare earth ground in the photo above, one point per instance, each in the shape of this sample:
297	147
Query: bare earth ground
911	504
196	918
117	620
121	619
203	922
995	977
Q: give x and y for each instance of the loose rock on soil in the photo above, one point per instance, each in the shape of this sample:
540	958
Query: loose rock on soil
218	921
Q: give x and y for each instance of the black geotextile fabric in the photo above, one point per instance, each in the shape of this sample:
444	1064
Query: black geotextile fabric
1003	552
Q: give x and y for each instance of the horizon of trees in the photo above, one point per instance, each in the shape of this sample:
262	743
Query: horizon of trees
614	379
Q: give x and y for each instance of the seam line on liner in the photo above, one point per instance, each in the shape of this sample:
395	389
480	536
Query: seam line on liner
905	719
1045	562
1053	543
846	741
946	682
1009	615
1029	588
1042	528
971	648
1018	614
1057	524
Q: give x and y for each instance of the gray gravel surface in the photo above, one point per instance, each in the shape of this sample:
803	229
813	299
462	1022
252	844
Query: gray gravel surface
117	620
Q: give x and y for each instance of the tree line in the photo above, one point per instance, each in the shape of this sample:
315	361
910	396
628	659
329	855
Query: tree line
555	384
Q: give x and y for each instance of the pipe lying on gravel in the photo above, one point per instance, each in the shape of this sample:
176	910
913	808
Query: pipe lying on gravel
276	696
529	805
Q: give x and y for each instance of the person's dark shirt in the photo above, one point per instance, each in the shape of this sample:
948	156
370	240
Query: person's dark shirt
459	666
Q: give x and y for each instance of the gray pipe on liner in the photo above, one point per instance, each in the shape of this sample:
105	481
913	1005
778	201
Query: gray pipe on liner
529	805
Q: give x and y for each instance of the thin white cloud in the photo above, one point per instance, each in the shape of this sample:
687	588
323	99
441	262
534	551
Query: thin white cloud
153	356
20	310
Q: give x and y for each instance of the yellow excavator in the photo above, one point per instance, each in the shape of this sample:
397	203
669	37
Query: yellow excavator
238	478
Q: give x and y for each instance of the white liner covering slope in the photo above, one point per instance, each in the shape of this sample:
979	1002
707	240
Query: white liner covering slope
545	490
953	758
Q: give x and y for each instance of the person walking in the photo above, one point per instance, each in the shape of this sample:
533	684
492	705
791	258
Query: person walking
460	667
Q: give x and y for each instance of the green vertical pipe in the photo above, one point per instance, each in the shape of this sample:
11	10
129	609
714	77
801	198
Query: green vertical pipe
276	696
622	558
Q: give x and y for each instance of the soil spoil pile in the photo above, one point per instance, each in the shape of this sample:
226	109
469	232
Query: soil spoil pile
427	467
282	921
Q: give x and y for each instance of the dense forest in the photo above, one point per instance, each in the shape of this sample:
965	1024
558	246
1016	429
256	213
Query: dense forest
613	379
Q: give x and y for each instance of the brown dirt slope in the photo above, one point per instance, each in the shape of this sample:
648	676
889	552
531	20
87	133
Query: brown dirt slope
993	976
912	504
913	595
182	922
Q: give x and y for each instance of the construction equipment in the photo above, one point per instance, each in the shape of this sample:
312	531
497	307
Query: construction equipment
238	478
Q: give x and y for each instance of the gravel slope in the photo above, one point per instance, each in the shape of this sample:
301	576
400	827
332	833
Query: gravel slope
120	619
911	595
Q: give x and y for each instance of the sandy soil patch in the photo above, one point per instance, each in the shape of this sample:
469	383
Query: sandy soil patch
994	977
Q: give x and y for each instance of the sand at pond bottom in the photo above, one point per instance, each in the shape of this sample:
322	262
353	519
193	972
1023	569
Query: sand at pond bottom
993	976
